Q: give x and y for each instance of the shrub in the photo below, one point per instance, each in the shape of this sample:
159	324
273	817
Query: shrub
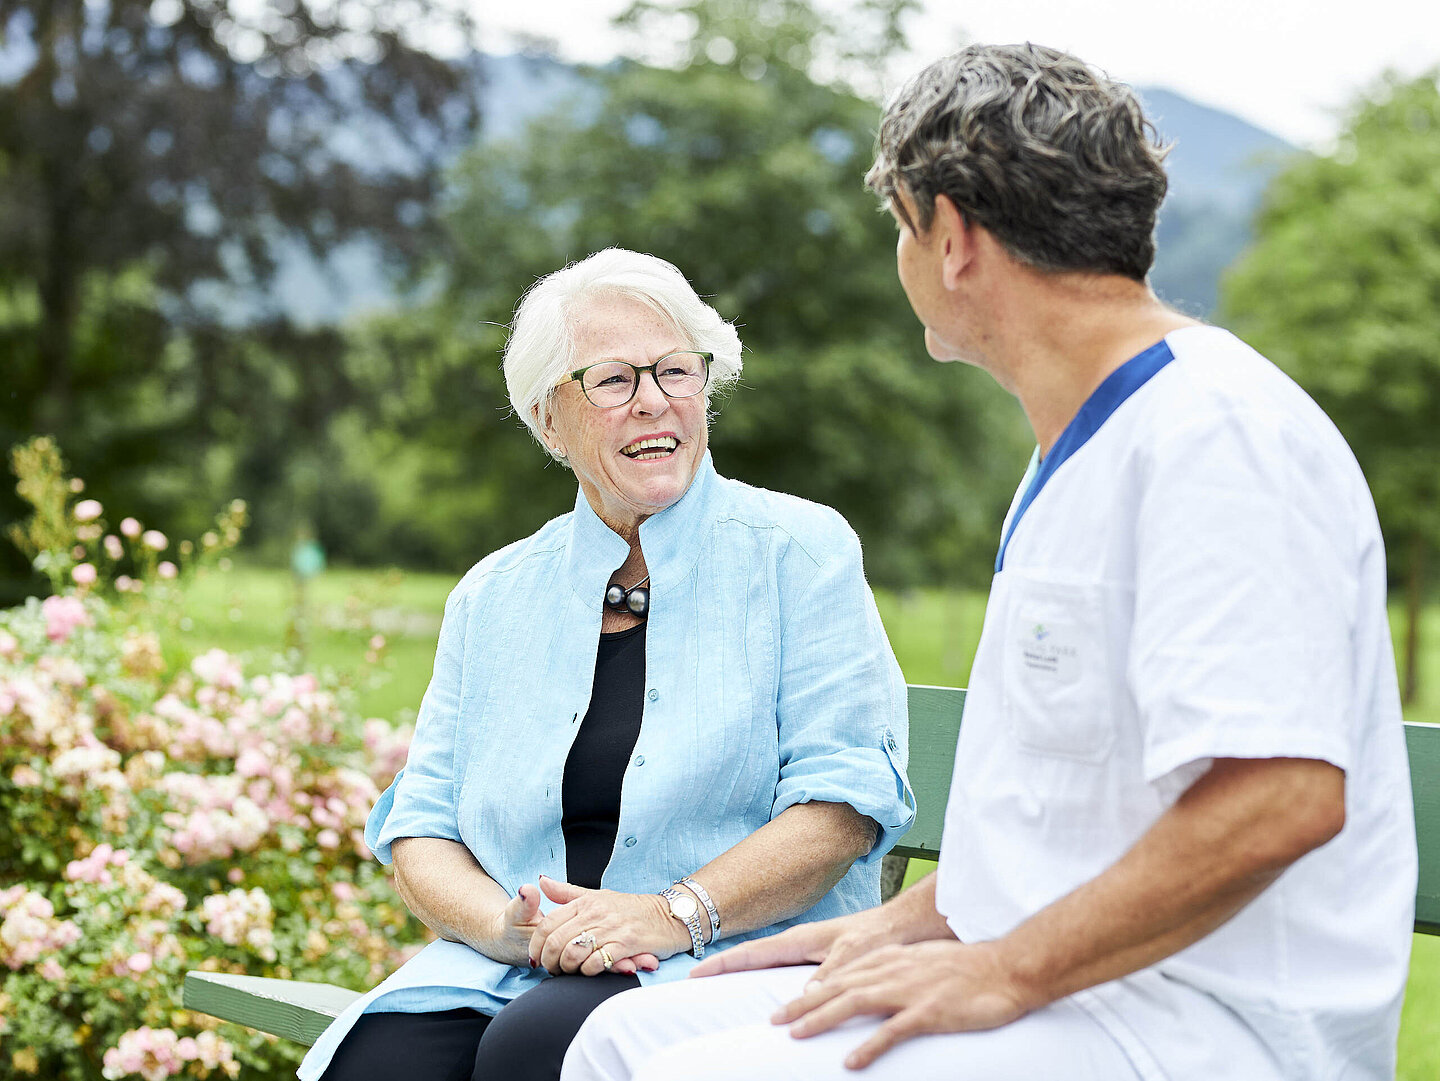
163	818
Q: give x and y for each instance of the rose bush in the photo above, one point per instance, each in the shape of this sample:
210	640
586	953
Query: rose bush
160	817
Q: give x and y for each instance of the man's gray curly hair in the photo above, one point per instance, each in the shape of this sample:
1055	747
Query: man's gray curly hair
1056	160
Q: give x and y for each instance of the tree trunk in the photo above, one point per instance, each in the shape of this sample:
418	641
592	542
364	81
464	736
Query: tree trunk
59	292
1414	591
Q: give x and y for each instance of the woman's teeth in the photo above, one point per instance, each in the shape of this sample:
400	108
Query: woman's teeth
645	450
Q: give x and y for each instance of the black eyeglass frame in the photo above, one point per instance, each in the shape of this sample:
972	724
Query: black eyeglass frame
640	370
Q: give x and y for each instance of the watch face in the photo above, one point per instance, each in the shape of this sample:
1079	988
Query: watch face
683	907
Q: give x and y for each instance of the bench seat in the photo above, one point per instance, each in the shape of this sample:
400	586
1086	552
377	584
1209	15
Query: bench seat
301	1011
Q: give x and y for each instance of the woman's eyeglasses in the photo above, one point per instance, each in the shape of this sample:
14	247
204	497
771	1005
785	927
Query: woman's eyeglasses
614	382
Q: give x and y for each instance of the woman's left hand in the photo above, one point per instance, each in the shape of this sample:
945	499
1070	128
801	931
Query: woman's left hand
636	929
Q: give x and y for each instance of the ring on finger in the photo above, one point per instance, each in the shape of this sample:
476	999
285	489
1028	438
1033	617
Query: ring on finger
586	939
605	958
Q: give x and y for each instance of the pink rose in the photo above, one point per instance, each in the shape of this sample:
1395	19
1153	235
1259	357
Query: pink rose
62	616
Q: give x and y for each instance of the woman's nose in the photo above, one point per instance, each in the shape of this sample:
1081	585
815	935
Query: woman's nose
649	398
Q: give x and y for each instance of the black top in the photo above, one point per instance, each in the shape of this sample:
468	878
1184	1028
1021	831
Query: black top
595	769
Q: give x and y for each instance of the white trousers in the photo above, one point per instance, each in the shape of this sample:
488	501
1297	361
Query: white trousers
709	1029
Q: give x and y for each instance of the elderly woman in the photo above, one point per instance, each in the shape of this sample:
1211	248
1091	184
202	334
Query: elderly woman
666	723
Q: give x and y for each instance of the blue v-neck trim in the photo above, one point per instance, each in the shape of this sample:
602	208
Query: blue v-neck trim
1108	397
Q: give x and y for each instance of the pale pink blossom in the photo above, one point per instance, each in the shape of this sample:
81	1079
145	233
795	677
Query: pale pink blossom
218	669
155	540
114	547
87	510
29	929
24	776
9	648
52	970
62	616
124	582
166	569
154	1054
139	962
241	918
130	527
377	641
235	876
328	838
84	574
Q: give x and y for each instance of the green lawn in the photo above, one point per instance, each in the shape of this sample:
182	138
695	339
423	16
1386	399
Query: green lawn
933	632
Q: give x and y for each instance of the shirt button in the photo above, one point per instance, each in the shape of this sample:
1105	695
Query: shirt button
629	842
654	695
891	742
639	759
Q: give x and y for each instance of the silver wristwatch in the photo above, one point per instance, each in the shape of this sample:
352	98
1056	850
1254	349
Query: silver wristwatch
687	910
704	895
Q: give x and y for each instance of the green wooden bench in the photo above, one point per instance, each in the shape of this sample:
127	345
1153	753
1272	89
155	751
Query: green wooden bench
300	1011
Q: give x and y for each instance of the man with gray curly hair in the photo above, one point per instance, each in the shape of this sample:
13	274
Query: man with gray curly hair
1179	842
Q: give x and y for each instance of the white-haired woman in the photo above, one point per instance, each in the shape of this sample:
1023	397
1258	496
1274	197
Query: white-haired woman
666	723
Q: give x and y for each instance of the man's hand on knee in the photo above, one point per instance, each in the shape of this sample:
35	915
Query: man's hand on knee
924	988
825	943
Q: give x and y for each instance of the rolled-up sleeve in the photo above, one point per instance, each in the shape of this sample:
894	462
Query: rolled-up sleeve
421	801
841	711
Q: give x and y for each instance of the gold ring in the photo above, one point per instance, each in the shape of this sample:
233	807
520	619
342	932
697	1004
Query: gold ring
586	939
605	958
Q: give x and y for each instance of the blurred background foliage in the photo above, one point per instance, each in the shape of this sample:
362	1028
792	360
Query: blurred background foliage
165	164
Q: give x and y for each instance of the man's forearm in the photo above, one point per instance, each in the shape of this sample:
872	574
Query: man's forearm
1231	835
913	916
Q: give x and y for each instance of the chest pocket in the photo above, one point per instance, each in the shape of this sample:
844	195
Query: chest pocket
1056	669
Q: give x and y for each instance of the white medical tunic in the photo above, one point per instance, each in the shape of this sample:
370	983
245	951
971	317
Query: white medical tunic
1195	571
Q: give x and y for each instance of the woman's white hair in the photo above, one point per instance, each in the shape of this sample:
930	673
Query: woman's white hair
541	349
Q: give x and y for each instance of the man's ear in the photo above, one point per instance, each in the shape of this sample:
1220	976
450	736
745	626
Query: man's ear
953	232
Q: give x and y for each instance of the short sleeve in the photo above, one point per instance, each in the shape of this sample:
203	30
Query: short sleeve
421	801
841	712
1244	583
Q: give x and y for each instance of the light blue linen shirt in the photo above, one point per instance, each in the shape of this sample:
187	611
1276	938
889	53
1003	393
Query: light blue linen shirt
768	682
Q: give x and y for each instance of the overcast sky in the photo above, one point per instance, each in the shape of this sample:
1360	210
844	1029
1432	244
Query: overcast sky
1286	65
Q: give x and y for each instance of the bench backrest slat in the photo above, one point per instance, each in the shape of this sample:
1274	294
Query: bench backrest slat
935	726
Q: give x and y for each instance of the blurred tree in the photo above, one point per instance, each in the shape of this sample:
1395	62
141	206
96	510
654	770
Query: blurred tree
154	153
1342	290
741	163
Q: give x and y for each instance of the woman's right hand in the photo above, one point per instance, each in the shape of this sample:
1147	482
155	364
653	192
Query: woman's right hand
514	925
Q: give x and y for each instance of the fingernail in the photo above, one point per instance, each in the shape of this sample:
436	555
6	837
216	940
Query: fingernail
531	960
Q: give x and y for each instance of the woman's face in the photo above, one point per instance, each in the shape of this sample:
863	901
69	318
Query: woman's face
624	485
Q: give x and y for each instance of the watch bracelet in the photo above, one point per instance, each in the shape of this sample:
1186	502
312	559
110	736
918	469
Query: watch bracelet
692	925
704	895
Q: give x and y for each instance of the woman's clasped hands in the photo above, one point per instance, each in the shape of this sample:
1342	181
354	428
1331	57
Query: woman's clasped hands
633	930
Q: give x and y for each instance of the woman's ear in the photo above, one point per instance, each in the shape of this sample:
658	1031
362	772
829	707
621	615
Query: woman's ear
548	435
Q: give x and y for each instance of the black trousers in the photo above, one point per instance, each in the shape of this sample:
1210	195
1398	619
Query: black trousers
526	1041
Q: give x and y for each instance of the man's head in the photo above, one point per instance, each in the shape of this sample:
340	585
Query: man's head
1057	162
